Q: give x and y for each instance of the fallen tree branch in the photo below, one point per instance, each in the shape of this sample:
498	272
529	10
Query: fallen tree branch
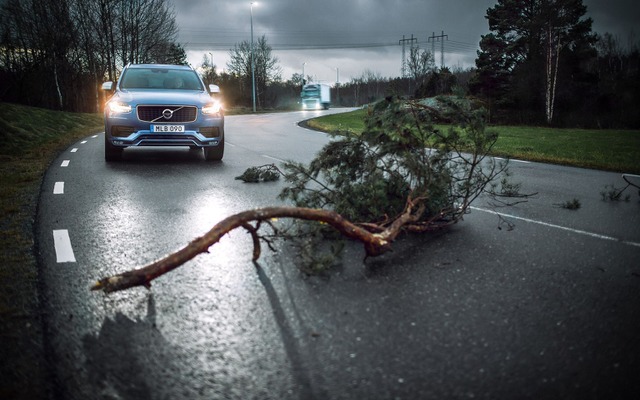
374	243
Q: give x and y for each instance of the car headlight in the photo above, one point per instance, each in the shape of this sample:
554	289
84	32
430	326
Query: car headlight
117	107
212	108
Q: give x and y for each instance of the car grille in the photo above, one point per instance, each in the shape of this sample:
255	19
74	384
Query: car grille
154	113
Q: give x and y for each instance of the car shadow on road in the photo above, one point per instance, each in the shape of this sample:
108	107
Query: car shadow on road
163	162
118	362
162	155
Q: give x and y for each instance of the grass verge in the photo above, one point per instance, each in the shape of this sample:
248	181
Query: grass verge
611	150
30	139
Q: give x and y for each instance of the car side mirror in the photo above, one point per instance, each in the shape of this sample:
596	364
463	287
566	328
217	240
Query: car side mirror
108	86
214	88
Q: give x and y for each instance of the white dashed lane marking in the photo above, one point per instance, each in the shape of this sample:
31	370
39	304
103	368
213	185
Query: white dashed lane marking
58	188
62	244
61	240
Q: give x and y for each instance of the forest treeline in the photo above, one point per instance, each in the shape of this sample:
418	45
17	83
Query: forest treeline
533	68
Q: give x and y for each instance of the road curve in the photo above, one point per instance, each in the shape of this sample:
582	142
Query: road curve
548	309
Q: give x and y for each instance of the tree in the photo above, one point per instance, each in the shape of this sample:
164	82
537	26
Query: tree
266	67
296	79
618	72
168	53
209	73
440	82
56	53
527	41
400	175
420	63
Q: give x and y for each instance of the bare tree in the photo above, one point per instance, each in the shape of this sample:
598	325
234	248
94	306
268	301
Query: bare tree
265	64
144	26
55	52
420	64
209	73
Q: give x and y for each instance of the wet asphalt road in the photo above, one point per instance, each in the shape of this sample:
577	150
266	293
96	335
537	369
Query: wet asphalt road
550	309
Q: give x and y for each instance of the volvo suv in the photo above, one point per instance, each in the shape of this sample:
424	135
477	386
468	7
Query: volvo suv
162	105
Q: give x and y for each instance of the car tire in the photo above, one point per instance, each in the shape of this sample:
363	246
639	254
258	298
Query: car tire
111	152
215	153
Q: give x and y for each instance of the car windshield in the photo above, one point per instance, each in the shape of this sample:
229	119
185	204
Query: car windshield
160	78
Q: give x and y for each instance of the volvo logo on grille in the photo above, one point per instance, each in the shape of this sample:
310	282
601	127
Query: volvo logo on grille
167	114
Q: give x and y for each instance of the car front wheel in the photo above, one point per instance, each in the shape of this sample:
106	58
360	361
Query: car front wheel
214	153
111	152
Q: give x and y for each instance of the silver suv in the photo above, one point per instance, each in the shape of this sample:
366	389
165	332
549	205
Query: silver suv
162	105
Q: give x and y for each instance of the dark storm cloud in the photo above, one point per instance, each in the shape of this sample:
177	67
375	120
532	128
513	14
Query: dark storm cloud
295	23
354	35
619	17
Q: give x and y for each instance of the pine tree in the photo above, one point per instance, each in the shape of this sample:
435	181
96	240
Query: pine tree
521	60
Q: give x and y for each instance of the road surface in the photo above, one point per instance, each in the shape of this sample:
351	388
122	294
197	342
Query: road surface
548	309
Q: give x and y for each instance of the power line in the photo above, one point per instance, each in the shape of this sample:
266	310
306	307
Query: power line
228	42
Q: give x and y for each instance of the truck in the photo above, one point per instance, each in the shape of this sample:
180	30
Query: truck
315	96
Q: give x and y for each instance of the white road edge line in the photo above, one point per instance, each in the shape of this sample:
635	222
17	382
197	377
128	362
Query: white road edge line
58	188
273	158
74	150
94	136
513	160
65	163
564	228
62	244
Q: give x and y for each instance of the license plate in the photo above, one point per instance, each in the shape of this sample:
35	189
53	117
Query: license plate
167	128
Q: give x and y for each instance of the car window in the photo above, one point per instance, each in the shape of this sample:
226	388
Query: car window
157	78
134	80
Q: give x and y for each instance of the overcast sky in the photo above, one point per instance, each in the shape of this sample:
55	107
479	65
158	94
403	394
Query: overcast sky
344	38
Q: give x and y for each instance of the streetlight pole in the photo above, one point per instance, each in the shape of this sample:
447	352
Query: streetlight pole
253	66
303	64
338	86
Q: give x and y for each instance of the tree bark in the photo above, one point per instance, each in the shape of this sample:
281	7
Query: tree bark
374	243
553	57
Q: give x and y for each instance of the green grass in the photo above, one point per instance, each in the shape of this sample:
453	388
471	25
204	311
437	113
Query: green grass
612	150
352	121
30	138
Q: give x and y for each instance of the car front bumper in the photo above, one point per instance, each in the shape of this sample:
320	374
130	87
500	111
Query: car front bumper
125	133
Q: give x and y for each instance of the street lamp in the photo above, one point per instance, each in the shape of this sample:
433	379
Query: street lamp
253	66
303	64
211	54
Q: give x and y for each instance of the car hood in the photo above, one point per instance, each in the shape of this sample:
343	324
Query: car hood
161	97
